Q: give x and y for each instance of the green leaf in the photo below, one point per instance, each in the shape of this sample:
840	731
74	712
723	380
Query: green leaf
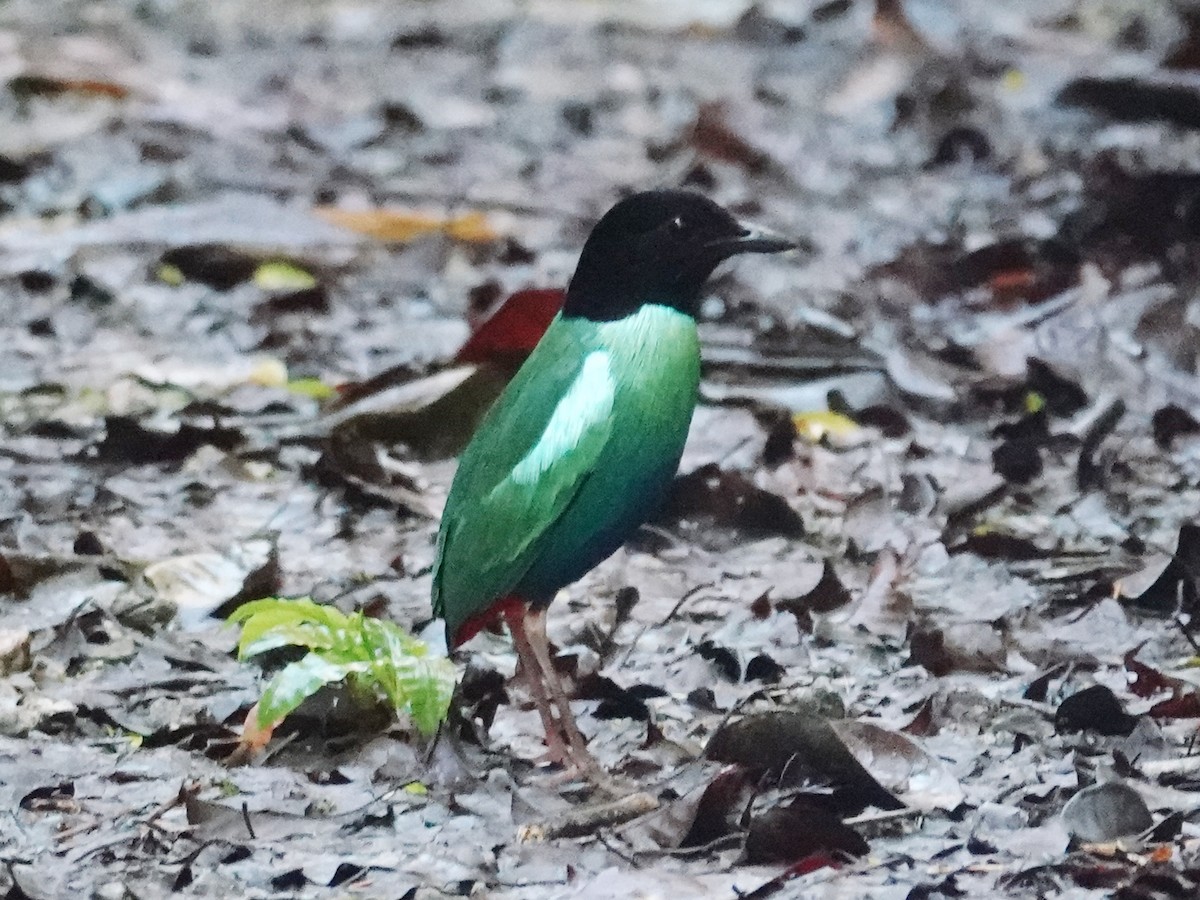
267	636
378	659
314	388
298	681
280	275
275	622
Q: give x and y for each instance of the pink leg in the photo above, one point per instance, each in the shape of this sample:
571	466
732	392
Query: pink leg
581	757
535	678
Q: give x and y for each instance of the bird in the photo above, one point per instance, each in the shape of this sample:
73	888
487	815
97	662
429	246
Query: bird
582	445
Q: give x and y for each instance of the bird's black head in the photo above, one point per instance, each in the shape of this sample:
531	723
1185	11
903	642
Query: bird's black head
657	247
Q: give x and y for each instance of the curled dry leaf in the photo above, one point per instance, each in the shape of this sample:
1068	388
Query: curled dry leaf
798	830
1105	812
1177	588
796	746
729	499
209	584
900	764
883	610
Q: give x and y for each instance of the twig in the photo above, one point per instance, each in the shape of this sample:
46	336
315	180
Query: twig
1158	767
607	839
684	599
1186	632
246	819
587	820
667	618
882	815
721	843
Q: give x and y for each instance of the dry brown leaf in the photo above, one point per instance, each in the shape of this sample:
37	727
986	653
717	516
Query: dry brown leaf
396	225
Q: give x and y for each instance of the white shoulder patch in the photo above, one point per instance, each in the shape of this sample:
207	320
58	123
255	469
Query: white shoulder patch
588	402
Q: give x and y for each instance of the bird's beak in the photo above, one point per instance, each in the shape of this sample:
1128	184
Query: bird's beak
753	239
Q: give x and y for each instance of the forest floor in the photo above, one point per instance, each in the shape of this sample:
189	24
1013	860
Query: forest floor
918	621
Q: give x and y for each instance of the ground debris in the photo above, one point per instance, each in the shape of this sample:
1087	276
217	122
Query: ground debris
936	526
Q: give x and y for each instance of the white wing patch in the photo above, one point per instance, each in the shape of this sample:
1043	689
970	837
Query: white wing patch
587	402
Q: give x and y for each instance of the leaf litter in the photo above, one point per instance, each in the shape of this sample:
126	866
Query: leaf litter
937	520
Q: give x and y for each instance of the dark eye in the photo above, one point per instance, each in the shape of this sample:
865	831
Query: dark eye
677	224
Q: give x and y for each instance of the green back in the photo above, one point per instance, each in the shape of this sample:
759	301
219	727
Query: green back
570	459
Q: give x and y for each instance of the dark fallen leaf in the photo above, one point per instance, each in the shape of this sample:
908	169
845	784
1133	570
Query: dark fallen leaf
723	659
89	292
1063	396
763	668
8	581
994	545
802	828
1018	270
47	797
1171	422
713	136
291	880
1186	52
963	647
729	499
509	333
419	37
1093	467
219	267
890	422
1033	427
311	301
1099	877
87	544
37	281
1133	215
128	441
1168	829
760	27
962	143
12	170
780	445
1177	589
1105	812
579	117
722	807
1040	686
1018	460
947	887
922	724
1145	97
478	696
1094	709
830	10
918	494
31	85
794	747
616	702
827	595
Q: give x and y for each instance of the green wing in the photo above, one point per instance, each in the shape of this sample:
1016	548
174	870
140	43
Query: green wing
528	460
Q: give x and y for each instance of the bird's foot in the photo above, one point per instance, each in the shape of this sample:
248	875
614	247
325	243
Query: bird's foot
574	767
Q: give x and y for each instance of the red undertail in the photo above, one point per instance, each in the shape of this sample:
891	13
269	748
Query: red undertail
481	620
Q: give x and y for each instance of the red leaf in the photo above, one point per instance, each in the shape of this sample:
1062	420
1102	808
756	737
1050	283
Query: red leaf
514	329
1185	707
1147	681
